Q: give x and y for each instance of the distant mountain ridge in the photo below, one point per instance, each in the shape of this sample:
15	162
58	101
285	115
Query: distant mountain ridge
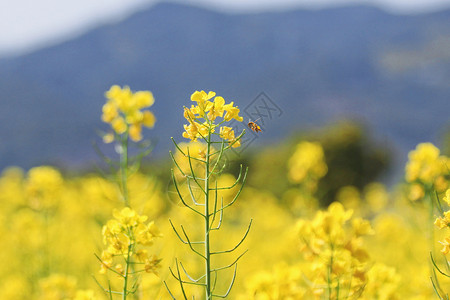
317	66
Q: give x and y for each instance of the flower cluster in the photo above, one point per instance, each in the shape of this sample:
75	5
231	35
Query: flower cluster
123	111
426	168
283	282
307	164
339	261
444	222
42	187
201	117
57	286
382	283
122	235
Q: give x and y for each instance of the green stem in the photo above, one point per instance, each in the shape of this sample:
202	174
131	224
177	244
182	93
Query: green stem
428	192
330	270
125	279
124	181
207	246
124	168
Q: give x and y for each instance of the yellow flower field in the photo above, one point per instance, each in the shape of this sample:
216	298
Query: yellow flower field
212	231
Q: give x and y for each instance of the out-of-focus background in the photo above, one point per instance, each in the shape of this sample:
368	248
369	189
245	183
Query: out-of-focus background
382	65
342	90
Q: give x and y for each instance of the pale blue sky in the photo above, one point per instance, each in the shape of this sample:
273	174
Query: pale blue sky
30	24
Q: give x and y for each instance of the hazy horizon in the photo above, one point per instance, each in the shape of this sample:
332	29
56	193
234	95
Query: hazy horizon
27	26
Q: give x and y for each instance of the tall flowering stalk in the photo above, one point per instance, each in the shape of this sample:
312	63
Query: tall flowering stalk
126	235
333	243
305	168
205	125
427	172
443	223
124	111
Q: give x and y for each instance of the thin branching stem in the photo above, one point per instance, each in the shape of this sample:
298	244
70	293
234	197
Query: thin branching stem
182	152
215	207
185	281
238	244
230	265
235	182
181	282
124	168
168	290
212	163
436	291
436	266
191	193
176	164
219	157
231	284
190	245
206	216
220	217
193	173
125	279
189	276
239	191
181	197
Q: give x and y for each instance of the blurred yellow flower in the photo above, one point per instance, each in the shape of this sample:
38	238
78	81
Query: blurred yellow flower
338	258
447	197
426	166
307	164
135	132
119	125
123	111
123	234
445	245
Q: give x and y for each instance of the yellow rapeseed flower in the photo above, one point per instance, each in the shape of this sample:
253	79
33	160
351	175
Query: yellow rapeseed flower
191	131
447	197
201	97
135	132
307	163
128	217
232	112
123	234
143	99
216	109
109	112
119	125
337	257
227	133
124	112
445	245
425	164
148	119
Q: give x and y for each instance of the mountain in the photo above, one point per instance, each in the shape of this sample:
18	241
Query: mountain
392	72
